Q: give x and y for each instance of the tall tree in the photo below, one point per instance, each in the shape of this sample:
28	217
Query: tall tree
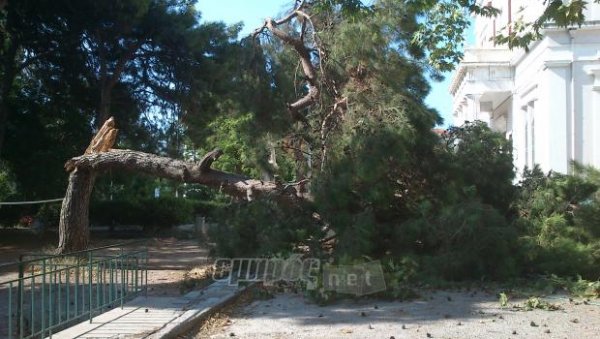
358	124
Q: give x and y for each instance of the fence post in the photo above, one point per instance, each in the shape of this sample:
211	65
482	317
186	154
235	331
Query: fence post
44	297
10	320
122	276
20	297
90	283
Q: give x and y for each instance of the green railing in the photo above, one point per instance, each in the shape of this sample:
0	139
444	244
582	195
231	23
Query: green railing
53	292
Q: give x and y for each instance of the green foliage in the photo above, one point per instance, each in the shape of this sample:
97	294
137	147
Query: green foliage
558	222
152	214
400	275
535	303
576	286
556	12
7	183
66	66
389	193
263	228
473	155
231	135
468	240
49	215
503	299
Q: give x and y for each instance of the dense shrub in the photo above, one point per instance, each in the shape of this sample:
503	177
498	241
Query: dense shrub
49	214
454	210
468	240
388	195
262	227
477	161
157	213
7	182
559	222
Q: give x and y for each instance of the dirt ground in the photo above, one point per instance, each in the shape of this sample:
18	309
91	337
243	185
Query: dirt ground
170	260
439	314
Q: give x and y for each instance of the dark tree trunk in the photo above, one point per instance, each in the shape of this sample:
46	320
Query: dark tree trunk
104	107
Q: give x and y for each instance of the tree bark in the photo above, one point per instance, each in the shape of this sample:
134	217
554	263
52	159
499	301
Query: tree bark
73	228
74	233
108	82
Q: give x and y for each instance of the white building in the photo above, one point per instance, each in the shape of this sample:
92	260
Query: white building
547	100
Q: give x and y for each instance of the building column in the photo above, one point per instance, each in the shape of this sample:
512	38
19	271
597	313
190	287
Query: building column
485	112
518	137
596	116
552	130
472	112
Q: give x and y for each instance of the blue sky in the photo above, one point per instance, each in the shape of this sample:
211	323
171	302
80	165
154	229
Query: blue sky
253	12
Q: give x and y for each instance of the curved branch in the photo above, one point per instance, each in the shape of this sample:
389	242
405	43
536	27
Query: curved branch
163	167
303	52
208	159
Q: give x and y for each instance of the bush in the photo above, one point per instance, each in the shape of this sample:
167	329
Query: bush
469	240
478	159
49	214
7	182
559	224
160	213
263	227
164	213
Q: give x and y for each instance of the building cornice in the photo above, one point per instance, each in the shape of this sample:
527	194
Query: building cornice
557	63
595	72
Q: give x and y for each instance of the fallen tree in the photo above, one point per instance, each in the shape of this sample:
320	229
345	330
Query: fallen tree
100	157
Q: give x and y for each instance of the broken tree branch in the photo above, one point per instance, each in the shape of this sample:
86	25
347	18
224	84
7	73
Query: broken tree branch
208	159
179	170
298	45
100	157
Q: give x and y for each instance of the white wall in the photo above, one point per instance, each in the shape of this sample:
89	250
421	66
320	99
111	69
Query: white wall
553	114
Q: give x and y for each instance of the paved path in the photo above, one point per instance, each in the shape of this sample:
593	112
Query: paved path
152	317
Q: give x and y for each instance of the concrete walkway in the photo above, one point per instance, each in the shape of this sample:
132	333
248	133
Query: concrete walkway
153	317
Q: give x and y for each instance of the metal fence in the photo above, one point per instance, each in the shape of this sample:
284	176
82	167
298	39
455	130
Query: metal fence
53	292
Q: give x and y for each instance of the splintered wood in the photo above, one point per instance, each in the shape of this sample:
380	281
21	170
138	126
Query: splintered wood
105	139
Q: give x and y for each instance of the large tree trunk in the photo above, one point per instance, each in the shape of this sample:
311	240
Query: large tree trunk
73	229
100	157
74	233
